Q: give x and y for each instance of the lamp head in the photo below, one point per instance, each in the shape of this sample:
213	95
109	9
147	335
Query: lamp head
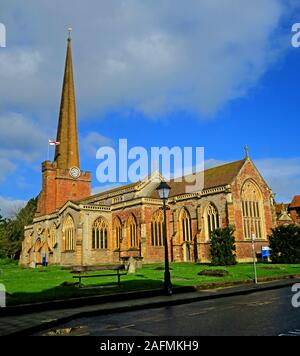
163	190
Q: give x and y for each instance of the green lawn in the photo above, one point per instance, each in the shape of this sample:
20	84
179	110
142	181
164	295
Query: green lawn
25	285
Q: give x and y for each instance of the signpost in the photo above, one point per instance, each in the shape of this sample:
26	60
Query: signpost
254	258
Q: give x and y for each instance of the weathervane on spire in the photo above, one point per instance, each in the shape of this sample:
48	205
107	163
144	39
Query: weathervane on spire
69	32
247	151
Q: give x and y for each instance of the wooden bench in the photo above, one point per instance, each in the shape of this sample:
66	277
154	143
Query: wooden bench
81	270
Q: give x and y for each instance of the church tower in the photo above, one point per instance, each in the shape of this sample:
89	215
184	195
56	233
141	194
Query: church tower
62	179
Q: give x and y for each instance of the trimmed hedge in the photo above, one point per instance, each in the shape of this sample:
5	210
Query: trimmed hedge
222	247
214	273
285	244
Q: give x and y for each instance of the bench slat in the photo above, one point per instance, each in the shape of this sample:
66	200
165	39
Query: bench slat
101	275
77	269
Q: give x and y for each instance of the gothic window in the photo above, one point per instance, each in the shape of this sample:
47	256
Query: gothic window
212	219
157	226
69	234
252	205
53	237
99	234
185	224
117	232
132	231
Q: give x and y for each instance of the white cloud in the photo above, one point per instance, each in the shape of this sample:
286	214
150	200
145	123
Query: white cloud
21	138
6	168
148	55
9	207
93	141
19	63
282	175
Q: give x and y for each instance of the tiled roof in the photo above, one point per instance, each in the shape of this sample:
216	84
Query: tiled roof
113	191
295	202
213	177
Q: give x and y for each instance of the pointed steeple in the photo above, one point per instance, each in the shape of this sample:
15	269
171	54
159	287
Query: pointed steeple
246	152
67	153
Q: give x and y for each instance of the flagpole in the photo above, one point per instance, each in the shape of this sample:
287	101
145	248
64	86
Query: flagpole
51	143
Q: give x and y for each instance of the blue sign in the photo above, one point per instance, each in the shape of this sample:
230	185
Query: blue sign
265	252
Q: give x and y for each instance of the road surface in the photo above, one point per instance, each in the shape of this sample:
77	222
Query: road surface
260	313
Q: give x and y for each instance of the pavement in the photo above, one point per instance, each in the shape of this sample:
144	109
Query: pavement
32	322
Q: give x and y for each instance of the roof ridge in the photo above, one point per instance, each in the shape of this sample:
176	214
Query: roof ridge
226	164
211	168
132	185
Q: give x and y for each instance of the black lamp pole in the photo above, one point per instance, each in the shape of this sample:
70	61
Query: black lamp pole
164	190
168	284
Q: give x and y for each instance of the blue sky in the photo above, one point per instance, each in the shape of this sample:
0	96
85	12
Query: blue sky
205	74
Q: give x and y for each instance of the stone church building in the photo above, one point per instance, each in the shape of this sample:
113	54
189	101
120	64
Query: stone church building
73	227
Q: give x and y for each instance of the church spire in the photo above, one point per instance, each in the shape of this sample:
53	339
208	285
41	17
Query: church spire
246	152
66	153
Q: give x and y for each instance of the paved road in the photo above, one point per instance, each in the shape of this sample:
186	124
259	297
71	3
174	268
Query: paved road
263	313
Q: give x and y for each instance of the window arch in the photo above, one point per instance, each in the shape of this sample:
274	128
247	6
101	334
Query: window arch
157	226
132	231
252	206
69	234
212	219
185	226
37	245
100	234
117	232
53	237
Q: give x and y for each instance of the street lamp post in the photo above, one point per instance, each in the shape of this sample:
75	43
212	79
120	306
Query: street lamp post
164	191
254	257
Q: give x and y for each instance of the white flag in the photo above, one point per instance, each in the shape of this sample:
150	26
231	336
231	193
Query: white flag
53	143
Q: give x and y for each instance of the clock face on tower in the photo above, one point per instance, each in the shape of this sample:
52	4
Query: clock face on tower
75	172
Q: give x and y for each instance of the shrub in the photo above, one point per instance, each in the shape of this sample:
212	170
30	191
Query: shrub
285	244
7	261
222	247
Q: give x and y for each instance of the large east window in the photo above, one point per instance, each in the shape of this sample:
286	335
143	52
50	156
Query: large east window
252	205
